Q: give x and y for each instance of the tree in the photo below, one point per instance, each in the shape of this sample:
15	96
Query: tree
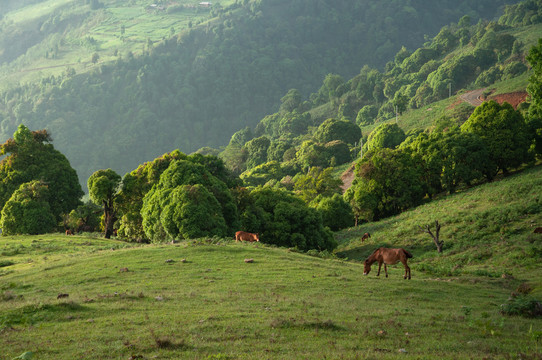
335	211
387	182
135	185
166	217
27	211
436	237
257	151
290	101
31	157
103	187
385	136
317	181
333	129
284	220
504	132
535	92
367	115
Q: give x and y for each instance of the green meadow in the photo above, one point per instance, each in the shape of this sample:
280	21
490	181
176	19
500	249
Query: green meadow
200	299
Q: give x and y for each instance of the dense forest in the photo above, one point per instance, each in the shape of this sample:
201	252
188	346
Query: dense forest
197	87
278	179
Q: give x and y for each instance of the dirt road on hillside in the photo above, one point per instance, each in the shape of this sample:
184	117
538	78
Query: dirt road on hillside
473	97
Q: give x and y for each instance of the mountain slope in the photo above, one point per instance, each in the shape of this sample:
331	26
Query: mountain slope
198	87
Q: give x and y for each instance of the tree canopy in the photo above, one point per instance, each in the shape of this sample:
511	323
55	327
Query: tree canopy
30	156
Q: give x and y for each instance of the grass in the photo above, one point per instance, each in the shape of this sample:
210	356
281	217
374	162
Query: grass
200	300
104	26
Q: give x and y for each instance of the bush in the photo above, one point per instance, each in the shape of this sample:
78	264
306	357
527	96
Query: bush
522	305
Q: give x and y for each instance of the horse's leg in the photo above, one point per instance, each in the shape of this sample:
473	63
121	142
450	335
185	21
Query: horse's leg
407	269
379	267
386	269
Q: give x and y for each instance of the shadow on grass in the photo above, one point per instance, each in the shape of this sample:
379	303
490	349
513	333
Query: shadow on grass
32	314
303	324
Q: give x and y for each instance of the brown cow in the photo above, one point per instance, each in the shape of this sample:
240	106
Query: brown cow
69	232
365	237
246	236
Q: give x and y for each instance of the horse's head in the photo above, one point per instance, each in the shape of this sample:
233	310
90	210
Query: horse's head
366	267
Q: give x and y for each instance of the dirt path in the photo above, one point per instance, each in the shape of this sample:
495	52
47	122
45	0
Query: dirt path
473	97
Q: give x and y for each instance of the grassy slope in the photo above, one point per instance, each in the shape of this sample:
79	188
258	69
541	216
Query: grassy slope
104	26
284	305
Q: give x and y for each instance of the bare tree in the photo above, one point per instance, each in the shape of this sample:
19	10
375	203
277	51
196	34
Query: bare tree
435	236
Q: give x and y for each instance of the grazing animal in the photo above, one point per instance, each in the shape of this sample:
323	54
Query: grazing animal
387	257
365	237
538	230
69	232
246	236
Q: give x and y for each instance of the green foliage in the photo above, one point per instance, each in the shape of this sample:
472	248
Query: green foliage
317	182
27	211
284	220
387	183
262	174
333	129
385	136
85	218
257	151
187	188
504	132
451	159
29	158
103	187
135	185
522	305
218	71
335	211
367	115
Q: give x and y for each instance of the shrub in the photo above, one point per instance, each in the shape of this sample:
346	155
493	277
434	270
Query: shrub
522	305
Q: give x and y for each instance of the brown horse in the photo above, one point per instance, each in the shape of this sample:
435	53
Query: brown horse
388	257
246	236
365	237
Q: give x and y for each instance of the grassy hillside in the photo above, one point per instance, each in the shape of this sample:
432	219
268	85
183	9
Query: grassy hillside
201	300
71	32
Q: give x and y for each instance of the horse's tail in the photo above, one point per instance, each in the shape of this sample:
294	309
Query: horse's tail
407	253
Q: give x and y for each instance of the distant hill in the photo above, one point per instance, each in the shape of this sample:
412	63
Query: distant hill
119	83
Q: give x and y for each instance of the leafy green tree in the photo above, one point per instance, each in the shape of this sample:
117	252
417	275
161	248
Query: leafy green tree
400	102
504	132
451	159
311	154
263	173
335	211
534	120
337	152
291	101
388	182
135	185
294	124
31	157
333	129
27	211
385	136
163	218
103	187
317	181
85	218
535	81
257	151
367	115
283	219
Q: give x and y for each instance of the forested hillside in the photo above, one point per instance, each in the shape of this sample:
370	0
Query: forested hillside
325	130
196	87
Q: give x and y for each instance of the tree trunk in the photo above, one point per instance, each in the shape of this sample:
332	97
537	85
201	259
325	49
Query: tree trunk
109	219
436	236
